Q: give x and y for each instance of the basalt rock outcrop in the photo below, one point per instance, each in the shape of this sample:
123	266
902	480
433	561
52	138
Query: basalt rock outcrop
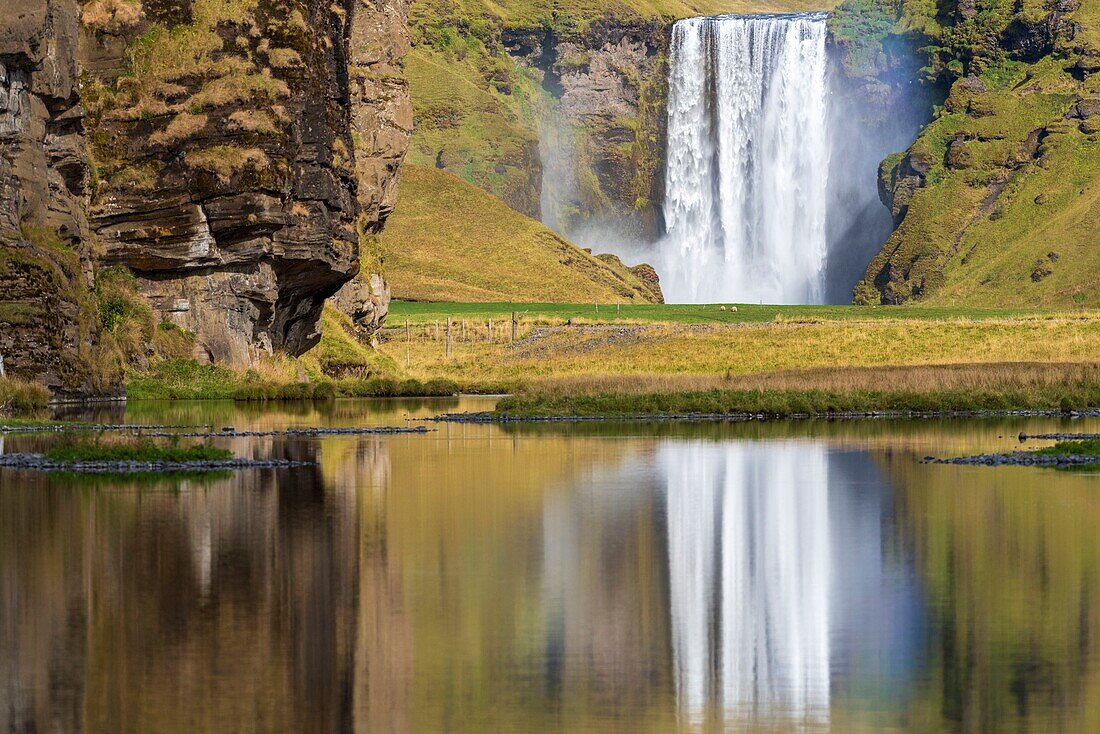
47	314
226	176
232	156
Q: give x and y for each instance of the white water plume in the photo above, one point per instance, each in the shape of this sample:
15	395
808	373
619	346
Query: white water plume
747	161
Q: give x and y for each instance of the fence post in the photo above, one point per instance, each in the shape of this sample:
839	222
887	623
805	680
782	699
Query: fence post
515	325
489	331
408	344
448	337
437	329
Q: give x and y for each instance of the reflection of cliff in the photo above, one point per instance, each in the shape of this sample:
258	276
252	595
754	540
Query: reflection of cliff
1009	557
603	586
251	604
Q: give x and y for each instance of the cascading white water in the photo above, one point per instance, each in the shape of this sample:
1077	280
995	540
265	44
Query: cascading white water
747	160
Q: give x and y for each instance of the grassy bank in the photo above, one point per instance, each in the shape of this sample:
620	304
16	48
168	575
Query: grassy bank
21	397
948	388
79	450
185	379
781	359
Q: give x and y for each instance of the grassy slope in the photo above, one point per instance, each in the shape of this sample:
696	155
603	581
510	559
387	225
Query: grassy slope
449	240
976	233
471	127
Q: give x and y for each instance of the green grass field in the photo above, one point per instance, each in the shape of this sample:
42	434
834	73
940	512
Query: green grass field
420	312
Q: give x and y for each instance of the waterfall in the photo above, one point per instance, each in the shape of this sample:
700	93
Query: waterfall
747	160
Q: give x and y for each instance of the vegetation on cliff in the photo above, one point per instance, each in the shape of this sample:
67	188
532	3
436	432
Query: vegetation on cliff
996	202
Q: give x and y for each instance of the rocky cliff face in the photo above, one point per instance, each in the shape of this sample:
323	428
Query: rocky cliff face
381	124
232	155
609	86
47	314
225	175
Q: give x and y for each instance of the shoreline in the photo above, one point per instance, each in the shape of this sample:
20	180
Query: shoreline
490	417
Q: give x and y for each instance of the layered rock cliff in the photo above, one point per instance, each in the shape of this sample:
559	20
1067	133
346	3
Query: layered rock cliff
48	323
226	176
233	155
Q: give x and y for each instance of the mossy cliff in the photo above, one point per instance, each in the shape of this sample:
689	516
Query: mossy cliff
226	169
48	316
232	154
998	199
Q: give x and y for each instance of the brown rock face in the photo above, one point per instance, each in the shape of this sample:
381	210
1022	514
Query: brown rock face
382	122
611	86
47	315
227	171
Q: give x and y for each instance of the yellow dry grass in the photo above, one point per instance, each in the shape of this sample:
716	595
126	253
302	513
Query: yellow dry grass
684	352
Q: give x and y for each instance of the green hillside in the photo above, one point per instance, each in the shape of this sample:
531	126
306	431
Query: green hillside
563	13
998	199
450	241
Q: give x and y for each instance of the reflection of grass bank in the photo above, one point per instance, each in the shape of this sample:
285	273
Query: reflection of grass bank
925	389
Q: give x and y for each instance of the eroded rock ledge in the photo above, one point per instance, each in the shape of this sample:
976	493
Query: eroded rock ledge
239	153
227	174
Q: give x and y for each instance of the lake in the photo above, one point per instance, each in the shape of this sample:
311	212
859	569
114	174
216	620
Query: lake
592	577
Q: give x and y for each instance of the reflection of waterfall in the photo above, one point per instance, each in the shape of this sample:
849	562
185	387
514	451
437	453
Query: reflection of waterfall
749	575
747	160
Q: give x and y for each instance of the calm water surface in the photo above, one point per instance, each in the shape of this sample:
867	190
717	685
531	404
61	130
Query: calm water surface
635	578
